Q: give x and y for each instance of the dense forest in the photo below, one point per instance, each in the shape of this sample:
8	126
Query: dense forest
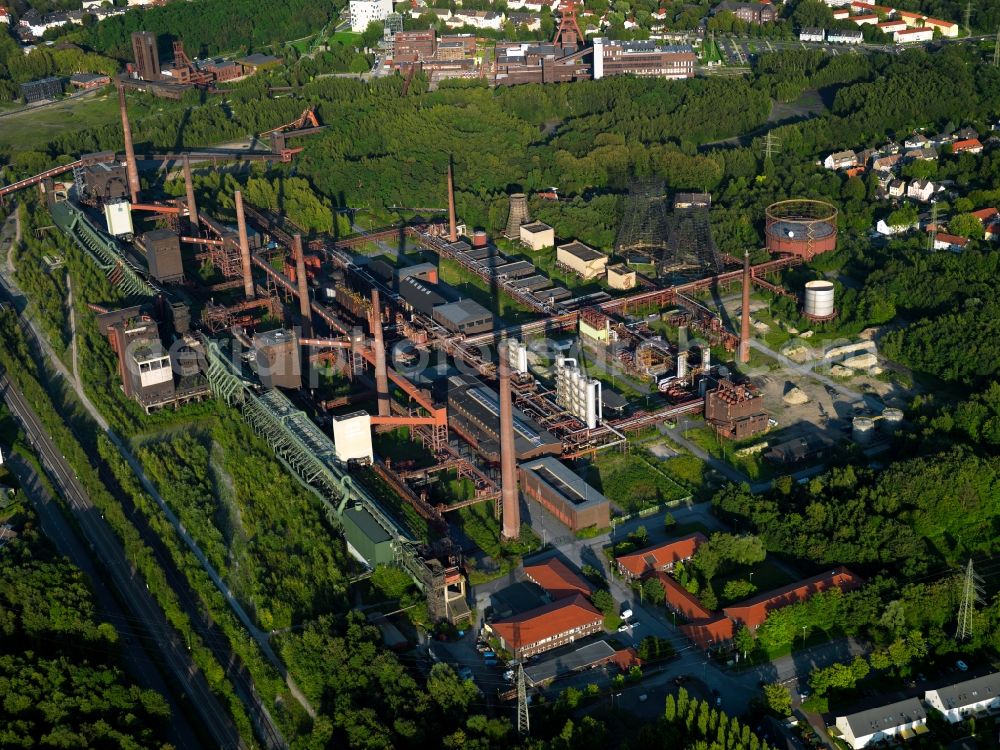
59	674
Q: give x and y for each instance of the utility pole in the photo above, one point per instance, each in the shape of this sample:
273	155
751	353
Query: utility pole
932	234
771	145
522	703
996	51
971	594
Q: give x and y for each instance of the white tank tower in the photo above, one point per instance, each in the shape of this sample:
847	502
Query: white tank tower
819	300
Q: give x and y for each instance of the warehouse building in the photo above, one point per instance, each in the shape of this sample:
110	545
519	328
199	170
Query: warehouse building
563	664
537	235
420	295
547	627
42	89
367	541
465	316
642	58
474	413
621	276
581	260
564	494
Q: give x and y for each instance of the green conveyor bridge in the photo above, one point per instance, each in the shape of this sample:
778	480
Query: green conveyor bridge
309	454
103	249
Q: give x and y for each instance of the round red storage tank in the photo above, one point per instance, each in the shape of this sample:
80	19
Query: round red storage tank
801	227
479	238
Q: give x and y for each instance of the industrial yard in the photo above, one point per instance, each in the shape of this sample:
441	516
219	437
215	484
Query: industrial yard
676	440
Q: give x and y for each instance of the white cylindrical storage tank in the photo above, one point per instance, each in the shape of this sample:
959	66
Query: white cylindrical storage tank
819	299
706	358
863	430
682	365
891	419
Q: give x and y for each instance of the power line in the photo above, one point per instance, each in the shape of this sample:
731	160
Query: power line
996	51
972	591
772	145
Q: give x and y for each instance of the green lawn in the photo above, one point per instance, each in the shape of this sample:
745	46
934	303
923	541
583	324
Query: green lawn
345	37
33	129
632	481
753	465
766	577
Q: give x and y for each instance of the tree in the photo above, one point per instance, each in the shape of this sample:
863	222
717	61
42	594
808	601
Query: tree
737	589
905	216
445	688
744	640
778	699
653	591
966	225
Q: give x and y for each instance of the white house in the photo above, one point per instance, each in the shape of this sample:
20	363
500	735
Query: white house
953	242
962	699
4	16
903	719
909	36
853	36
363	12
812	35
888	230
921	190
896	189
841	160
479	19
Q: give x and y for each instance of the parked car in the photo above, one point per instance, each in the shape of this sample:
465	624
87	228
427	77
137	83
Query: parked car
962	666
465	673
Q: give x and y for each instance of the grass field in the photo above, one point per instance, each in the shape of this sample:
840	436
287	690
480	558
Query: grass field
345	37
34	128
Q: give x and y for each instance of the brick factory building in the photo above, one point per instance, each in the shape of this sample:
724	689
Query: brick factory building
415	45
42	89
518	63
646	59
465	316
735	411
547	627
660	556
564	494
146	55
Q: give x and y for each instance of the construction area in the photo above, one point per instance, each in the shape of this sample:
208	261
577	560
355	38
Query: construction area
496	412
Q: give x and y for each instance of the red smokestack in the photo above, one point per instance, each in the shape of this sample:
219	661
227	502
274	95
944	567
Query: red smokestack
189	189
452	223
241	224
381	373
130	168
508	458
745	327
303	282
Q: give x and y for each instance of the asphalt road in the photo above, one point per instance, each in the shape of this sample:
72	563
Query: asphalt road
138	651
133	592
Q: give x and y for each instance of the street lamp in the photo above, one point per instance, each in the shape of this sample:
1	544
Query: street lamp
803	636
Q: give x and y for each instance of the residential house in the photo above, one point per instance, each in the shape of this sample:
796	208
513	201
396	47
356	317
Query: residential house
865	20
530	21
953	242
888	230
896	189
916	140
812	35
911	36
966	698
660	556
902	719
4	16
851	36
947	28
841	14
891	27
479	19
754	13
967	134
990	219
886	163
921	190
682	601
970	145
927	153
841	160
